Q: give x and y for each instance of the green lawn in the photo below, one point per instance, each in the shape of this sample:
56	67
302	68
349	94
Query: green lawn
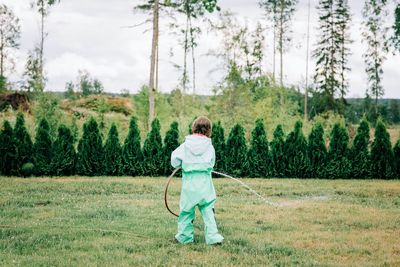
106	221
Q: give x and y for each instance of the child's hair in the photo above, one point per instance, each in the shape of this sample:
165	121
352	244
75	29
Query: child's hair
202	125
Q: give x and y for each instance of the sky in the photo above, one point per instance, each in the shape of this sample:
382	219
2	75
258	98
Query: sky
94	35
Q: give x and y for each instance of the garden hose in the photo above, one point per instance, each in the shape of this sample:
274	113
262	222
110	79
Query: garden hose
271	203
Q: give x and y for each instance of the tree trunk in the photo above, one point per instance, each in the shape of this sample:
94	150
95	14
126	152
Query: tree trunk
193	57
154	45
41	49
185	48
307	62
274	59
281	53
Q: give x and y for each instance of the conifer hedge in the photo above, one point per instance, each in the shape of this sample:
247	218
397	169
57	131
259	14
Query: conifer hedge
294	156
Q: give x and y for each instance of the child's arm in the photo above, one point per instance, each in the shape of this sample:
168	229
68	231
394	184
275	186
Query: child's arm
177	156
213	157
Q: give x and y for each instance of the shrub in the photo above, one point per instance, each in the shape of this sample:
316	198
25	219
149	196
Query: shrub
152	151
23	144
90	150
236	152
42	149
316	150
278	152
339	164
27	169
381	153
296	153
64	155
359	154
7	149
171	142
132	156
113	153
258	155
218	141
396	152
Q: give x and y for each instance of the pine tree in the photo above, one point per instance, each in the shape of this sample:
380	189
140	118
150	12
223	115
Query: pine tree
317	153
152	151
113	153
381	153
236	152
218	141
171	142
339	165
132	156
332	52
23	145
64	155
396	152
42	149
359	155
375	36
7	149
90	160
258	155
296	153
395	40
278	152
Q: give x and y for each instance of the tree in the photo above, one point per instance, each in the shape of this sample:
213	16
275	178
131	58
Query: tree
43	8
69	90
10	33
296	153
7	149
258	155
98	87
394	111
90	159
152	151
171	142
332	52
113	153
381	153
64	155
396	152
236	152
34	81
42	149
395	40
23	145
316	150
218	141
132	156
375	37
359	154
278	152
339	164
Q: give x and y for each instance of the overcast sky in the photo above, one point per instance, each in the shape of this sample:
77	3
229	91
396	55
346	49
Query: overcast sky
91	35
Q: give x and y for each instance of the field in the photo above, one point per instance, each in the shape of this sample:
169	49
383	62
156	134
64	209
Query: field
106	221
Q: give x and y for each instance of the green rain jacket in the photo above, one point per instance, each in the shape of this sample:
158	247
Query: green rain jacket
196	156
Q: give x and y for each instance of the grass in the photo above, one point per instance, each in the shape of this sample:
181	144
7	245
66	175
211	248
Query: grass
107	221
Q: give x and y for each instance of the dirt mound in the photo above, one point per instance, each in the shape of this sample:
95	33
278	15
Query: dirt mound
15	100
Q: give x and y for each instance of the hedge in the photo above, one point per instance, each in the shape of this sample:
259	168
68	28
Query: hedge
291	156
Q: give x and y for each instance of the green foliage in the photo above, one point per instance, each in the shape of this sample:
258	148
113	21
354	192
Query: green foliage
296	153
113	153
152	151
236	152
396	29
23	144
48	108
88	85
317	153
339	165
42	149
218	141
171	142
27	169
34	82
7	149
381	153
396	153
64	155
132	156
359	154
3	84
90	160
278	153
394	109
258	155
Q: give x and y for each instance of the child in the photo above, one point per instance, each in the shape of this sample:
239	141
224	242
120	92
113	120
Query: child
196	156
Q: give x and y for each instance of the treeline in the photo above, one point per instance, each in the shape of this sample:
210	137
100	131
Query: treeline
293	155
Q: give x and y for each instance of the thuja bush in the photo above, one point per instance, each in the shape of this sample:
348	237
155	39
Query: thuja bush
152	151
359	154
64	154
132	156
278	159
338	165
258	156
7	150
218	141
236	152
113	153
396	152
23	145
42	149
382	159
171	142
316	152
296	153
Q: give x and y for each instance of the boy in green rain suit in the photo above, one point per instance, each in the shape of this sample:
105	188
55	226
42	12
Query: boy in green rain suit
196	156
